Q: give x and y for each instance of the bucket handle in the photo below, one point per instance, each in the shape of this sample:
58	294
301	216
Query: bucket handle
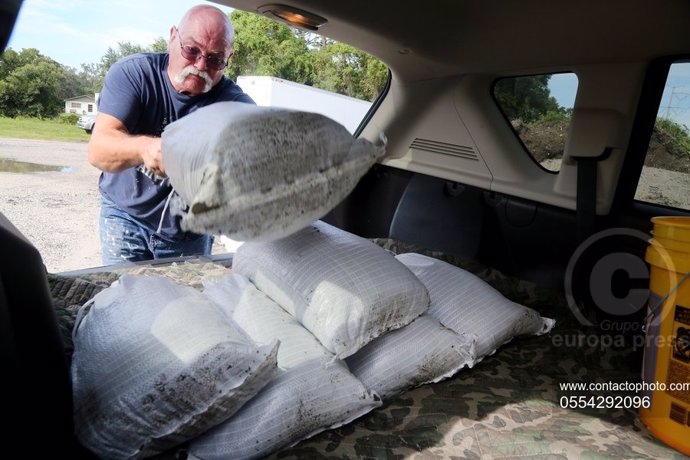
650	315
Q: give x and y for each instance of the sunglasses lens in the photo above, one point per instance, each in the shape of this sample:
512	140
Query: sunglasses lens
188	54
214	63
192	54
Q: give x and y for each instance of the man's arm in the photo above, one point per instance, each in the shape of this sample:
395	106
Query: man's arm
113	149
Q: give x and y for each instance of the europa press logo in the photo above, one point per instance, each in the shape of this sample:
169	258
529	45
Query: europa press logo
615	281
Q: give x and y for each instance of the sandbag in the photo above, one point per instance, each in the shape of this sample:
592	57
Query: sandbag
263	320
422	352
260	173
344	289
300	402
156	364
467	304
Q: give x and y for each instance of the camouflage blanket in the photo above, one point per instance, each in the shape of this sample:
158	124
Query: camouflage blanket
507	406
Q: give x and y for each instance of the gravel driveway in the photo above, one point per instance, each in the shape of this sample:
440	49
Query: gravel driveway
56	210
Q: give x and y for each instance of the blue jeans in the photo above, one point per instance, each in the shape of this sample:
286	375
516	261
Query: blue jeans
123	238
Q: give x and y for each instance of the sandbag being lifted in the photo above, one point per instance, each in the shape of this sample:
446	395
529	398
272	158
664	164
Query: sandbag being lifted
260	173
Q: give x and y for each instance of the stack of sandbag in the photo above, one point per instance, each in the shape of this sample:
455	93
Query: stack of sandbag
338	285
352	326
313	391
260	173
356	325
155	364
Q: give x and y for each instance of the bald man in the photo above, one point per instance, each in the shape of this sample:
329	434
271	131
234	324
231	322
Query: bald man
141	95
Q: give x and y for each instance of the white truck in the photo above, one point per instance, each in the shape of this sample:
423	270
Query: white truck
276	92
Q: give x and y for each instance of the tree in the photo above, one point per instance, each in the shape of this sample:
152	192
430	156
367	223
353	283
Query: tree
9	61
90	76
160	45
525	98
265	47
113	55
346	70
34	85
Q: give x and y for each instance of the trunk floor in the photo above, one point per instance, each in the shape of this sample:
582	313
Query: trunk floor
506	406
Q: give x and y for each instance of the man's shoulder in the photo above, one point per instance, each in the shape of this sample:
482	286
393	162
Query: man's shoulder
143	61
228	90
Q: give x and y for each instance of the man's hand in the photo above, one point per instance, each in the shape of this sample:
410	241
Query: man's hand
113	149
153	157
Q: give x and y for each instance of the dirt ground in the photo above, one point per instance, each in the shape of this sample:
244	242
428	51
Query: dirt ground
57	210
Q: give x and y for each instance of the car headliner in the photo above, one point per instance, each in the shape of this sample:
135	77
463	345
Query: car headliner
454	37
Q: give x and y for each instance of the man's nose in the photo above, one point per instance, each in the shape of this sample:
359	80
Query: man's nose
200	63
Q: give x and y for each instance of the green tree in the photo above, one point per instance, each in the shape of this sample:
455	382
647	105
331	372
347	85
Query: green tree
265	47
346	70
90	76
111	56
34	85
9	61
73	84
160	45
525	98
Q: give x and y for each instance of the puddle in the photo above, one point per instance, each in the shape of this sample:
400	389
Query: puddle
7	165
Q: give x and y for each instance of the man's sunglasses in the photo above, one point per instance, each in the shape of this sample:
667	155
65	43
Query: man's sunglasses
192	53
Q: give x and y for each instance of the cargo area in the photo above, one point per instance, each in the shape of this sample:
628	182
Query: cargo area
509	404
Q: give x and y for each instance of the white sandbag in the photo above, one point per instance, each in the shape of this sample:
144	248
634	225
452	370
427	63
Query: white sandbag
156	364
467	304
260	173
315	396
344	289
422	352
263	320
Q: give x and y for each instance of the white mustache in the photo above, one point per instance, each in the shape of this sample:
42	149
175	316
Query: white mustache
191	70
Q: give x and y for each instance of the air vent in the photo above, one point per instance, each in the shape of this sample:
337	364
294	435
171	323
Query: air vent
443	148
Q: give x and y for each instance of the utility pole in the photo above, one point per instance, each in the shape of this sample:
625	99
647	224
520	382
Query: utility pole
675	96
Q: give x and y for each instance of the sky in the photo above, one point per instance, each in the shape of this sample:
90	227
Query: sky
75	32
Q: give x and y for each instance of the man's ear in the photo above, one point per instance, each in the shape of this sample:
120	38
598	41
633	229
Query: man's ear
173	31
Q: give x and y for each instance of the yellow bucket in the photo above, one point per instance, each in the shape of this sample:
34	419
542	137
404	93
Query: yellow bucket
666	368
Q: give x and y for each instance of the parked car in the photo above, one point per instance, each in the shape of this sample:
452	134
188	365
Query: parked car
87	122
522	146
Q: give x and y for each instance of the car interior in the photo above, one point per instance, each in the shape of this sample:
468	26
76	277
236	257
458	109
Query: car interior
458	179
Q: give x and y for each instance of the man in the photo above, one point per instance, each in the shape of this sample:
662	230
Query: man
141	95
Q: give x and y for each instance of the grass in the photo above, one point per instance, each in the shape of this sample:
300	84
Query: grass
677	132
34	128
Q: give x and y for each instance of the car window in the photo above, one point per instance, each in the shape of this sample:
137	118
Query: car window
664	179
282	66
538	108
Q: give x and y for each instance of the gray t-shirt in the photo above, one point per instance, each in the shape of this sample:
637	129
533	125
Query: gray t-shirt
138	92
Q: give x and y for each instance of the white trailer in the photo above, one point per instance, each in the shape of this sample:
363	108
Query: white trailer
276	92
